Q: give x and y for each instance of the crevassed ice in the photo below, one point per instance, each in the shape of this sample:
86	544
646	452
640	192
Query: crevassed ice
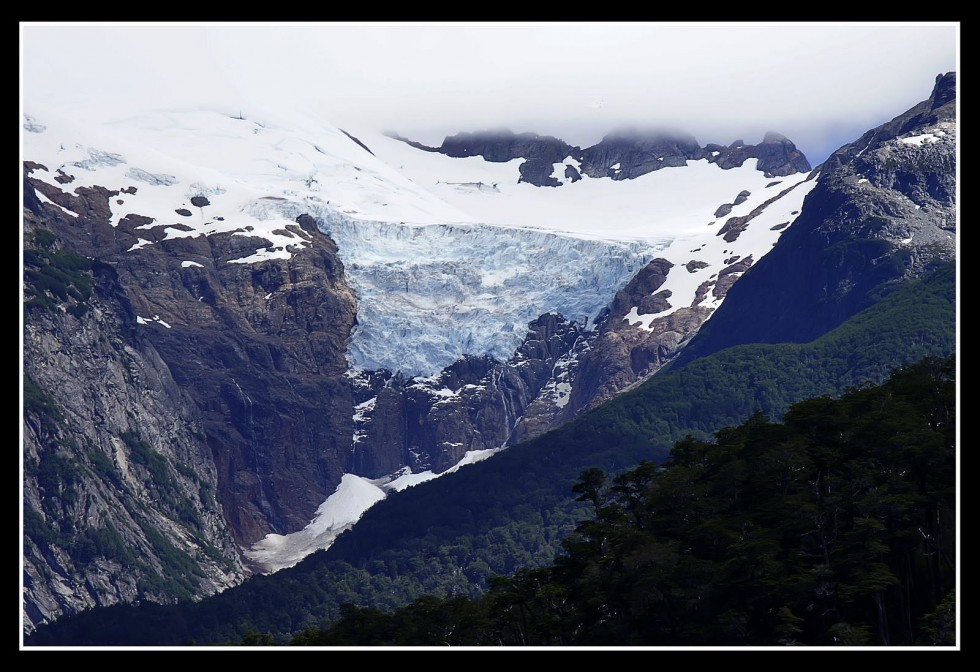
428	295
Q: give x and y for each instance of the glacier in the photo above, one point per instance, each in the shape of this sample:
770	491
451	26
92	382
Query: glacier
441	267
447	256
430	294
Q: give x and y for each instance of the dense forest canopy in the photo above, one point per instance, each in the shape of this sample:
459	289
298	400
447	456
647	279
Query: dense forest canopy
836	526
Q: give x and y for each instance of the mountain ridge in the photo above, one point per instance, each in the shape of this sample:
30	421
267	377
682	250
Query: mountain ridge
232	254
884	210
623	154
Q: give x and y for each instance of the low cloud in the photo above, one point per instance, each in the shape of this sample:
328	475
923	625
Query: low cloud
819	84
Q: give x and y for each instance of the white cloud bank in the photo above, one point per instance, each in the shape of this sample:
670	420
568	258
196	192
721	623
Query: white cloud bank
819	84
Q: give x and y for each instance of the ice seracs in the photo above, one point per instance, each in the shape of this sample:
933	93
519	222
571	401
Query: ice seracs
430	294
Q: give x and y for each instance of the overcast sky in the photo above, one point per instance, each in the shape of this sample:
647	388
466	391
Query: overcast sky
822	84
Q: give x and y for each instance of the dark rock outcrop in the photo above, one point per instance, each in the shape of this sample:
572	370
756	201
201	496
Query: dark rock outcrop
538	172
540	152
777	156
628	154
410	143
503	145
474	404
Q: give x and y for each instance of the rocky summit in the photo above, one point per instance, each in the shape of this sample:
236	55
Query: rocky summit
622	155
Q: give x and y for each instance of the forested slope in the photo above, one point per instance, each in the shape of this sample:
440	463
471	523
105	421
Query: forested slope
511	512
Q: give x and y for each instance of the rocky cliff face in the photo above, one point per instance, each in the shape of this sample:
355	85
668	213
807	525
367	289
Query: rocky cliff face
120	491
183	402
884	210
262	351
621	353
474	404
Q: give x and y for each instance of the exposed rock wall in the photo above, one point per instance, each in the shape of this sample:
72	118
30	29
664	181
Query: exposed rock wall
183	403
